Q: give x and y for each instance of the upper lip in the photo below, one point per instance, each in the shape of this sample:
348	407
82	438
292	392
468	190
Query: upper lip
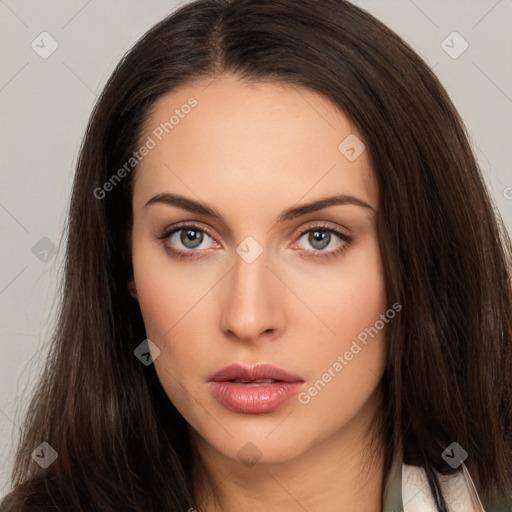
252	373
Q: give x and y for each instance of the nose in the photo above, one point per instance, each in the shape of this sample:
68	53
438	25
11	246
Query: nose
252	304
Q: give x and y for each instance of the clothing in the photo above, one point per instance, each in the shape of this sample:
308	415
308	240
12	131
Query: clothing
406	489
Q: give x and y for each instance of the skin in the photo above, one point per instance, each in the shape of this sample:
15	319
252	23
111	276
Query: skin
250	151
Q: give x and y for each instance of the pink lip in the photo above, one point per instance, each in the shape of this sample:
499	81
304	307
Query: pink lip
261	388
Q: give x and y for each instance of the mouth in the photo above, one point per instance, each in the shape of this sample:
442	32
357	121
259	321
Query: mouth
257	389
259	373
254	383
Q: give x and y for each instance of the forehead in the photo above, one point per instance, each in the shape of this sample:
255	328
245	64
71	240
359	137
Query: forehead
264	141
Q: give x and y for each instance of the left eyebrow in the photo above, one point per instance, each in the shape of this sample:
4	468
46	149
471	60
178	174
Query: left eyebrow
193	206
314	206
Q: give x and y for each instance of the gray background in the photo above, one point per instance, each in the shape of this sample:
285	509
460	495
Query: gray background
45	104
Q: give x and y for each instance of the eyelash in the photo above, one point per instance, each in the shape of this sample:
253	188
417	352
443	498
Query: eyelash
180	255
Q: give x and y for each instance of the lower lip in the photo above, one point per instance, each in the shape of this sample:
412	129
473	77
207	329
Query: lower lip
254	399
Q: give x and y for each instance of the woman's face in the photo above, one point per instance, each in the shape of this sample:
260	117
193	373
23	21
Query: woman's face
237	262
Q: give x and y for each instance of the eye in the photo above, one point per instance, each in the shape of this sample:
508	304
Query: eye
184	240
189	238
189	241
324	241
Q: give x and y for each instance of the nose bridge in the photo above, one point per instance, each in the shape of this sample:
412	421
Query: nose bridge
250	306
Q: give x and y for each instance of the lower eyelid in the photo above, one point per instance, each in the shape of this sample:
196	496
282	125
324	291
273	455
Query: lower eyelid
326	254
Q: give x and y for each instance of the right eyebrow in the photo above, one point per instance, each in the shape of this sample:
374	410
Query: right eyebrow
185	204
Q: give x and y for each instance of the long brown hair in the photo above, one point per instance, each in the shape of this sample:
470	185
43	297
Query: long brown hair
121	444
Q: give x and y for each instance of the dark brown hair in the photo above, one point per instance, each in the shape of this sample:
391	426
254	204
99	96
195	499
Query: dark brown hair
447	260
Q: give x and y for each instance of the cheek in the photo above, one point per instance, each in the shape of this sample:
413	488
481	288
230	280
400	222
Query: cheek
347	297
349	357
177	315
164	308
166	289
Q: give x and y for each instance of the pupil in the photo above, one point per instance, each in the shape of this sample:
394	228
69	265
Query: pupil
191	238
319	239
